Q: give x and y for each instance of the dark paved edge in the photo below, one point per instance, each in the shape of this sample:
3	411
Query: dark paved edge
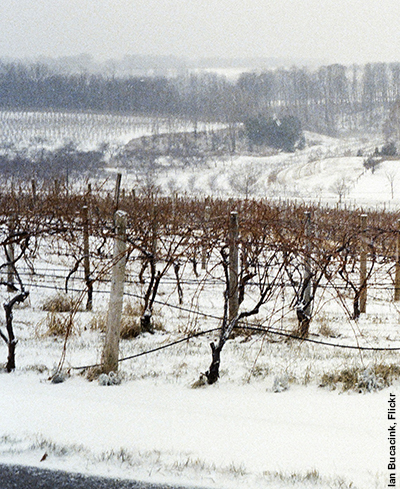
22	477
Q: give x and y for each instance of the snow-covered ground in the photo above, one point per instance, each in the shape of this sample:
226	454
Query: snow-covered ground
245	431
266	423
328	170
88	131
225	436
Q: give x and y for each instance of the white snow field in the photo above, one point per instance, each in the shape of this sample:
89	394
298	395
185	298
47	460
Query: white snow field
244	431
266	423
226	436
328	170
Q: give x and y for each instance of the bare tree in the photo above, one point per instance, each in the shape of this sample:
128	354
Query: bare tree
341	188
245	181
391	177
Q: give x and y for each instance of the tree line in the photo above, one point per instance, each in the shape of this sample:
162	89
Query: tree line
329	99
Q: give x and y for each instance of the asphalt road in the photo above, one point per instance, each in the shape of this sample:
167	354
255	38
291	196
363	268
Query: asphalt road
20	477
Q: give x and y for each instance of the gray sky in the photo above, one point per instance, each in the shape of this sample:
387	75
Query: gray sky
343	31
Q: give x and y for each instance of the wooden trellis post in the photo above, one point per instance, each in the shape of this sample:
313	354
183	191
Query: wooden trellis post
154	232
10	257
363	267
117	191
304	306
307	267
111	345
233	295
33	184
86	257
207	212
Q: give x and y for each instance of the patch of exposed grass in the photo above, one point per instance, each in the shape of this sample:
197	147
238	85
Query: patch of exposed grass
130	321
236	470
56	324
133	309
259	372
190	463
98	322
307	479
360	379
387	372
130	327
36	368
326	330
57	449
59	303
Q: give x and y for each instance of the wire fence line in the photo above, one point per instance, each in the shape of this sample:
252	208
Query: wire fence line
250	327
61	274
246	327
280	250
243	326
282	285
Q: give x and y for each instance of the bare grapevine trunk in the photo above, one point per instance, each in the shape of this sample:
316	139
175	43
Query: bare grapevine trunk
11	340
213	372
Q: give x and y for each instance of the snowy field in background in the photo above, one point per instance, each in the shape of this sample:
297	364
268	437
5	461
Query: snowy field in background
314	174
88	131
326	168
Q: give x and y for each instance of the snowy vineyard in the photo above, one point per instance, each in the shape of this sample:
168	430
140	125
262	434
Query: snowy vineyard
282	267
34	130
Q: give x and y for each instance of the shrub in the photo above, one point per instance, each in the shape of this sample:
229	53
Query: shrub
56	324
130	322
389	149
362	380
326	330
59	303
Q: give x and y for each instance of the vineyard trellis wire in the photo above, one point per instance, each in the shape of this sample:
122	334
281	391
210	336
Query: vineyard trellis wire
168	239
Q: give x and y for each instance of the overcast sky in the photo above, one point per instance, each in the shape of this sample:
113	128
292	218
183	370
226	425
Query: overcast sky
345	31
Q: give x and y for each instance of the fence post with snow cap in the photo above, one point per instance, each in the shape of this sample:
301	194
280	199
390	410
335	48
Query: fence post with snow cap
111	344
